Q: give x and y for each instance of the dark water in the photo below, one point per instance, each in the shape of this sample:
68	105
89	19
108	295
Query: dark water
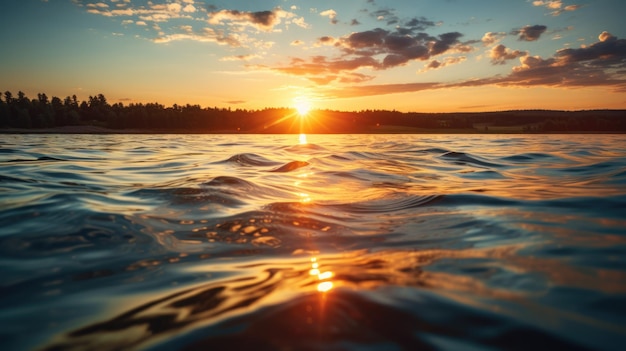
371	242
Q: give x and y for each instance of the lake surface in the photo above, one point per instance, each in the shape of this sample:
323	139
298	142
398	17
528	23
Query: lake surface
338	242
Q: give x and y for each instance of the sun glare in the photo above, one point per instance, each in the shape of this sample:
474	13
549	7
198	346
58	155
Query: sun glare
302	105
302	139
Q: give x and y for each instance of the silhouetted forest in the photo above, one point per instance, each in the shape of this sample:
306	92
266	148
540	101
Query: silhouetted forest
42	112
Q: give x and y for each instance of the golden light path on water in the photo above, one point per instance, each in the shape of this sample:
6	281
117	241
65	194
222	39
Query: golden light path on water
325	283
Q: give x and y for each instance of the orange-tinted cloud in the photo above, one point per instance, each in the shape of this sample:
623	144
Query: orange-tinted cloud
491	38
598	64
556	6
375	49
436	64
500	54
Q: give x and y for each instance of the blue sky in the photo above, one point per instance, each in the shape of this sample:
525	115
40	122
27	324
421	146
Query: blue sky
447	55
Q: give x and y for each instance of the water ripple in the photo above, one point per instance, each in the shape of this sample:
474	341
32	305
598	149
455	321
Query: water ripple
348	242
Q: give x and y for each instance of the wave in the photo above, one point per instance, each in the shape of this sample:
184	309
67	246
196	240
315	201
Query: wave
438	242
38	159
243	312
291	166
462	158
389	204
530	157
249	159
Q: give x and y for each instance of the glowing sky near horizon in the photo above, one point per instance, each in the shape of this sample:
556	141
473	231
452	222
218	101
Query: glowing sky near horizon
429	56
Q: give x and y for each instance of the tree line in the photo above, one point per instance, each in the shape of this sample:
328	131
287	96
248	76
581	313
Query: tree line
42	112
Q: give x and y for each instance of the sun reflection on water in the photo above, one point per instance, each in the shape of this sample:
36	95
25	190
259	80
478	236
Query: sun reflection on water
324	284
302	139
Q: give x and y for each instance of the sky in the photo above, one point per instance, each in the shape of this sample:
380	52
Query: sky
351	55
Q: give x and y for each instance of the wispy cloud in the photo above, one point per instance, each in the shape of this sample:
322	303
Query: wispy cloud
151	12
436	64
556	7
247	57
225	27
208	35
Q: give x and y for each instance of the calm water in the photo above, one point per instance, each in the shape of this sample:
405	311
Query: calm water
368	242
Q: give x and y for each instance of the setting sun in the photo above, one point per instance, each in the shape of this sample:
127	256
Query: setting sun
302	105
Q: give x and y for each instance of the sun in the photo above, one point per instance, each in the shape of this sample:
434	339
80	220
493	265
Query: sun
302	106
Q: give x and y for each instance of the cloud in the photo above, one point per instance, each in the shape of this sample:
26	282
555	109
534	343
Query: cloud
375	49
436	64
325	40
151	12
174	7
331	14
491	38
399	49
226	26
300	22
247	57
387	15
608	52
186	28
207	35
322	70
556	6
98	5
381	89
415	24
261	20
530	33
444	43
500	54
600	64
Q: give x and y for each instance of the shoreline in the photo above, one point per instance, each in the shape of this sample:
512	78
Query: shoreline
407	130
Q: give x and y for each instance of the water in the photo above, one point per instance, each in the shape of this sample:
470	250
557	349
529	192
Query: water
266	242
